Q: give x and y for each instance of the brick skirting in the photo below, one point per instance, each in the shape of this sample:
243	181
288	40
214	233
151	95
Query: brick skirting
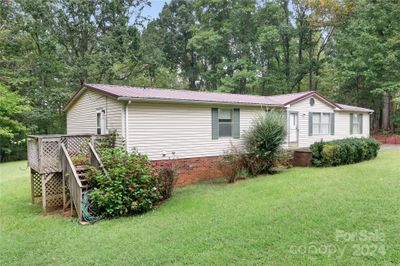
192	170
390	139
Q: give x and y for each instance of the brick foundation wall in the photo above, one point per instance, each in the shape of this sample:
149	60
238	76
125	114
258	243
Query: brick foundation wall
390	139
192	170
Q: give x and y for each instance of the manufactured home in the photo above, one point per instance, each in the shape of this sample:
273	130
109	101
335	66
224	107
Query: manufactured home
195	127
191	127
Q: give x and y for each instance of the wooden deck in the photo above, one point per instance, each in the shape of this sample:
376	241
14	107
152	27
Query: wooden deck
45	155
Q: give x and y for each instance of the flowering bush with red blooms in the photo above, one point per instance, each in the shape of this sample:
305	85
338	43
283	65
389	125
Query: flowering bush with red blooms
131	187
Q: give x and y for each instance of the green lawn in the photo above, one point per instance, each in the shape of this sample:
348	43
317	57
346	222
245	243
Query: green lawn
267	220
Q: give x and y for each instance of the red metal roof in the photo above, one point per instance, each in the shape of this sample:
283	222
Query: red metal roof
181	95
352	108
287	98
139	93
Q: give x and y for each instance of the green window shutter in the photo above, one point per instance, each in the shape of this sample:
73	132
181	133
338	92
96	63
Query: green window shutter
310	115
333	124
361	123
214	123
351	124
236	124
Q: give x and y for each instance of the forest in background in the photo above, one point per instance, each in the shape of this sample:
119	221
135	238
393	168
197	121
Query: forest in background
347	50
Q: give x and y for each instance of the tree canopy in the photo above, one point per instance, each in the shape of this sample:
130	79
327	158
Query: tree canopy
348	50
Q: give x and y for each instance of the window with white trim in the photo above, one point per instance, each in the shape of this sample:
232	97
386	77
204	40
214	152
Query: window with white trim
225	122
357	124
321	123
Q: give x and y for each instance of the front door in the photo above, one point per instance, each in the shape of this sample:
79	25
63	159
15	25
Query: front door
293	128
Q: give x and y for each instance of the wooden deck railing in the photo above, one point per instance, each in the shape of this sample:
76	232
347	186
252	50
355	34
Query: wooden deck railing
95	160
71	179
44	150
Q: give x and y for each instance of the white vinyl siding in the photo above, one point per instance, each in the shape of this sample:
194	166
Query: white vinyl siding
342	122
185	130
180	129
82	116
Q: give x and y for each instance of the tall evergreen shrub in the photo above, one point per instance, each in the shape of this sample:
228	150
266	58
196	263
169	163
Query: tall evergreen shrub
263	141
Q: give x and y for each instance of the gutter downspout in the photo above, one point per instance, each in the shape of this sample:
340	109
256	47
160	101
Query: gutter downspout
126	125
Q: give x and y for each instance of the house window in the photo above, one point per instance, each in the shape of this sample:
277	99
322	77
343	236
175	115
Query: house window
325	124
356	124
100	122
321	123
225	122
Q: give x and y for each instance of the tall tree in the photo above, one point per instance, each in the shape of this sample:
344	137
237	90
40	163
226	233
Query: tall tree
367	58
93	32
12	130
175	28
275	47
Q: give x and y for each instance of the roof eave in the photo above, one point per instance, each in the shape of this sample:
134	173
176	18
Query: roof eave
81	91
357	111
72	100
161	100
314	93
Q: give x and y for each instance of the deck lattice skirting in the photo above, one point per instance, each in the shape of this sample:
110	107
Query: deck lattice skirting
45	163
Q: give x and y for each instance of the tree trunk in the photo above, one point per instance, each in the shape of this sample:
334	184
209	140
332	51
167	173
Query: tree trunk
317	68
391	113
386	111
300	62
301	44
192	76
286	44
310	62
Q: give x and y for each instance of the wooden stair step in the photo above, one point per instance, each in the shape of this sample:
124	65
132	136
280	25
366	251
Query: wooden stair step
82	168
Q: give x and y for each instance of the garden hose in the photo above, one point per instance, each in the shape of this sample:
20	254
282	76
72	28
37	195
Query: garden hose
86	213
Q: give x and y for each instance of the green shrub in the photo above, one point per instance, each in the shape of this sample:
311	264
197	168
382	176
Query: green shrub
166	180
283	159
330	154
80	159
232	164
263	141
316	151
131	188
345	151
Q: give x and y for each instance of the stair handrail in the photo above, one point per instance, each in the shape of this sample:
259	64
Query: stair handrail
74	183
95	160
70	164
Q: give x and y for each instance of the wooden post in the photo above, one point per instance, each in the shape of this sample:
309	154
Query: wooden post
32	187
42	176
79	209
40	154
63	184
59	155
92	141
